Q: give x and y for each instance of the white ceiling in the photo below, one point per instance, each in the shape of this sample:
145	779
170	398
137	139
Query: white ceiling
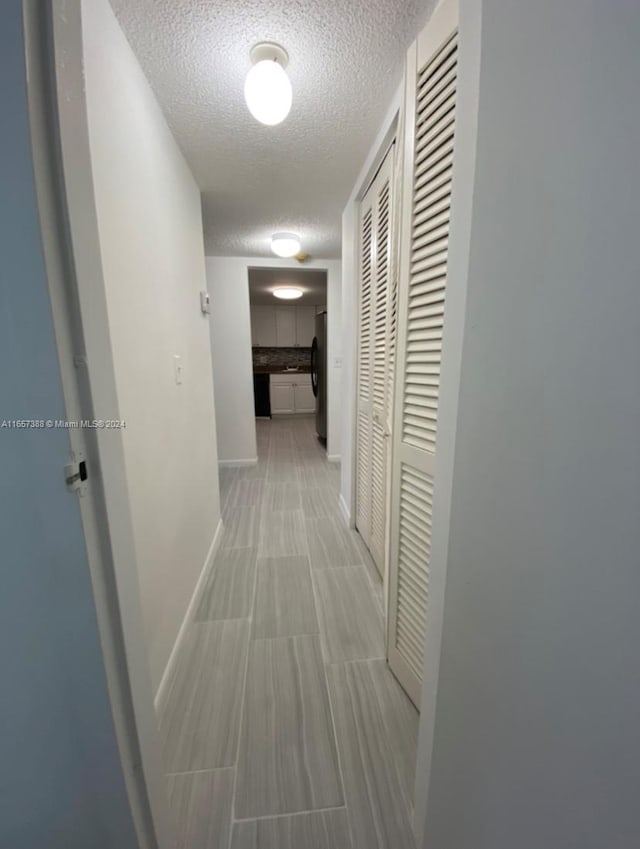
262	282
345	61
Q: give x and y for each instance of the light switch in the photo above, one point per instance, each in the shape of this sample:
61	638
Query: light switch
337	362
177	368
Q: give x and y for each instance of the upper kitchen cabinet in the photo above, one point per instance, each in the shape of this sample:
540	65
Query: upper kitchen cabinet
263	326
285	327
282	327
305	326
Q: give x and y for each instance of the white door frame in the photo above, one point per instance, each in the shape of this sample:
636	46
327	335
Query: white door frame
331	268
64	184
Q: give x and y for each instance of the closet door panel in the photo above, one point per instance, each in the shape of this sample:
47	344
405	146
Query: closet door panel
430	98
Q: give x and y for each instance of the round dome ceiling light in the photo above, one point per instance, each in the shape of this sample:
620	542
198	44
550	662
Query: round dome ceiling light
267	88
285	244
288	293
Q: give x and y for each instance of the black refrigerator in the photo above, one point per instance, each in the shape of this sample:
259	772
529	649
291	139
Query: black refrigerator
319	374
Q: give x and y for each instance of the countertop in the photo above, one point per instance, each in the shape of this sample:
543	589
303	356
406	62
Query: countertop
266	369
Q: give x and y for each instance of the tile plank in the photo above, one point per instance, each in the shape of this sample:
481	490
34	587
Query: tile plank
331	544
379	811
284	603
350	619
288	759
316	830
400	719
228	589
199	720
282	496
245	492
319	501
241	527
282	534
313	473
200	806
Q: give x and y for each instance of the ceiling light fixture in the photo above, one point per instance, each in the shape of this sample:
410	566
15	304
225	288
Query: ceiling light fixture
285	244
288	293
267	88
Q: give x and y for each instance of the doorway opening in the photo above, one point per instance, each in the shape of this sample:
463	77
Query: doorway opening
288	309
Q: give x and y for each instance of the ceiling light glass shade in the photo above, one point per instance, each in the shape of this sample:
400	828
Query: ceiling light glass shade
287	293
285	244
268	92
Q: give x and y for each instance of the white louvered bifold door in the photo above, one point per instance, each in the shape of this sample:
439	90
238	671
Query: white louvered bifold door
373	367
429	128
363	410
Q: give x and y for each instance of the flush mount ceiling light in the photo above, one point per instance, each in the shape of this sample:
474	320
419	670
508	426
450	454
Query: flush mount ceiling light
288	293
285	244
267	88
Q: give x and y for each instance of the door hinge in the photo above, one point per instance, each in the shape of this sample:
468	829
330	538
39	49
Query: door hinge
75	476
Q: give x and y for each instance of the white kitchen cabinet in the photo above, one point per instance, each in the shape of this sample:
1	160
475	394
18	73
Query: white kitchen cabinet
291	393
285	327
282	398
303	398
263	326
305	326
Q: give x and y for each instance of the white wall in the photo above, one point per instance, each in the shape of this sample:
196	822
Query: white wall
536	740
228	282
230	328
350	304
150	227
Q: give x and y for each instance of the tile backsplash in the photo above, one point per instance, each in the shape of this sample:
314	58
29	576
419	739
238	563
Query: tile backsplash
281	356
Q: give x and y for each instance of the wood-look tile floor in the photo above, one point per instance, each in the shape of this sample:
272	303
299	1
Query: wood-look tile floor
282	727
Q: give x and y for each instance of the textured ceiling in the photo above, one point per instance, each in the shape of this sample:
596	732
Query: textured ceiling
345	61
262	281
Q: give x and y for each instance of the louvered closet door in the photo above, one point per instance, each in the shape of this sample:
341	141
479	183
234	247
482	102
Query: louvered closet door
429	128
365	376
373	376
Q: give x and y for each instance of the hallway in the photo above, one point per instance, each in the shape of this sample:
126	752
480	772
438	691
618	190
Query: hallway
282	727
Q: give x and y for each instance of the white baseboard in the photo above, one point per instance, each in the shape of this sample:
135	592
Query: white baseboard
346	513
250	461
188	616
334	458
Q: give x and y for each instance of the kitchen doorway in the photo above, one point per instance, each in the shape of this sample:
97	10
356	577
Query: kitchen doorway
288	309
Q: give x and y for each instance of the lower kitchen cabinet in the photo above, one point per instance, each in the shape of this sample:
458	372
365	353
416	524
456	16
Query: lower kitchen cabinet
303	398
291	393
281	398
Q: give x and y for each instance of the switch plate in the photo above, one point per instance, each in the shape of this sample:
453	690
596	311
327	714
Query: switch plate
177	369
205	303
337	362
